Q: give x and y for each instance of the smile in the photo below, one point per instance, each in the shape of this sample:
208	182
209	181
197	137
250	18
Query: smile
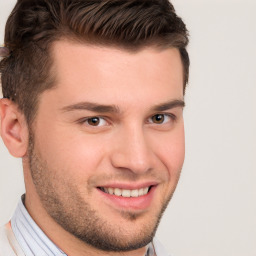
126	192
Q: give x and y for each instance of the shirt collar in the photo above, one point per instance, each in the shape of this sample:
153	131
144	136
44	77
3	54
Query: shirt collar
31	238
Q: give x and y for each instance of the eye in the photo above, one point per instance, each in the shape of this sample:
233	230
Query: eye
95	121
162	118
158	119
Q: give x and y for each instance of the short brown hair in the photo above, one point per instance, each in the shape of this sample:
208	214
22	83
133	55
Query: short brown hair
34	25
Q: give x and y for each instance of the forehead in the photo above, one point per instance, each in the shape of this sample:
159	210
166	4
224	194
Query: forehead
93	72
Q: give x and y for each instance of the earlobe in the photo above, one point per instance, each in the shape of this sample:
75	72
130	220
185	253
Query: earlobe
14	131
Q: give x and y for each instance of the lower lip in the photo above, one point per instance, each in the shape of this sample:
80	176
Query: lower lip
130	203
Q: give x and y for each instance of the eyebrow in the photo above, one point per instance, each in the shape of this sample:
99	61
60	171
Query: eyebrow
169	105
99	108
94	107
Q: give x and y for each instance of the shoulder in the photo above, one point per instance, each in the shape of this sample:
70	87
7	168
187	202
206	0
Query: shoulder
5	246
159	248
8	243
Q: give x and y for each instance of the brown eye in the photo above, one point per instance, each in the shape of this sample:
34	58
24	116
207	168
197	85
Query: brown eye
94	121
158	119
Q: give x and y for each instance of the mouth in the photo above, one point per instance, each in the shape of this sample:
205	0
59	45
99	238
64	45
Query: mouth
126	192
129	197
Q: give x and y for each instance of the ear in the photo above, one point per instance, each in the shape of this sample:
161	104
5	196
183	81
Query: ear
13	128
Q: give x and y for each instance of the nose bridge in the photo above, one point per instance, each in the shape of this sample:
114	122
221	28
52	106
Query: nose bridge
132	150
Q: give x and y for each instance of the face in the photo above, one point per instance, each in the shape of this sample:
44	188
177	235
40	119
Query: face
107	145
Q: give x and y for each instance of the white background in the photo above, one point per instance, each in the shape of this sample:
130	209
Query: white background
213	212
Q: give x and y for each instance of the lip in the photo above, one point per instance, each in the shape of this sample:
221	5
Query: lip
129	203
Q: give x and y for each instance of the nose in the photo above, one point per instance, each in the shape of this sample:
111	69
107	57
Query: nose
132	151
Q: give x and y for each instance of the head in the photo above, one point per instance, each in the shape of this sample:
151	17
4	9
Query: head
100	85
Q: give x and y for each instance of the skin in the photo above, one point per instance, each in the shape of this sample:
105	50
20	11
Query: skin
66	157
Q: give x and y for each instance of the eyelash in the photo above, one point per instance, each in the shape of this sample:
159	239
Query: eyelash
86	120
166	115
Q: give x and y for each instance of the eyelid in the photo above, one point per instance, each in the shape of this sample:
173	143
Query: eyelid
84	120
169	115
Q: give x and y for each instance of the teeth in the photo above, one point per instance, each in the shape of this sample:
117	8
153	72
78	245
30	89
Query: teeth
110	191
135	193
126	192
141	191
145	190
117	192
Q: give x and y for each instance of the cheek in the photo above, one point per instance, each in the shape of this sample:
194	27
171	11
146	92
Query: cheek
172	152
69	153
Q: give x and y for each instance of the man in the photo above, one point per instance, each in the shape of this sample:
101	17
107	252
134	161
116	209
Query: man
93	101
